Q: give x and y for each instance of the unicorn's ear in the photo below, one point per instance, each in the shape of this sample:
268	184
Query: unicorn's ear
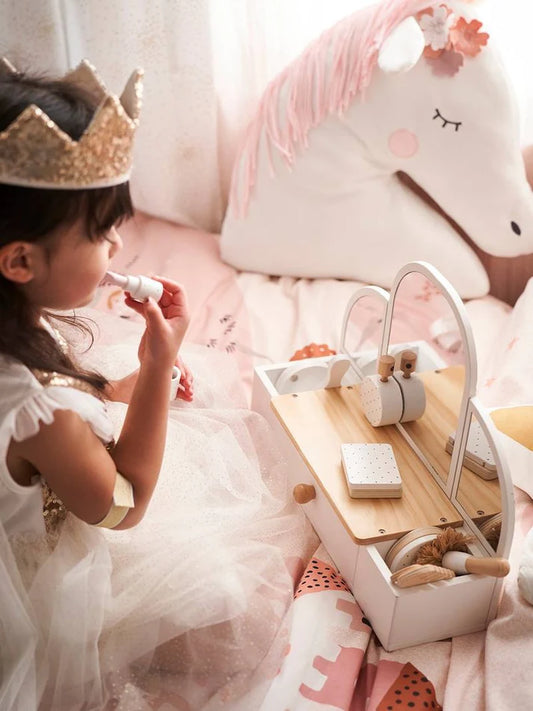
402	48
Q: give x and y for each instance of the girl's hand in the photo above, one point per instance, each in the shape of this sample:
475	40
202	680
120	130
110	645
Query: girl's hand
121	390
166	323
186	380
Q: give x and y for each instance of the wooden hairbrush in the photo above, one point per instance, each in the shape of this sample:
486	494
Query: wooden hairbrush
449	549
420	574
446	548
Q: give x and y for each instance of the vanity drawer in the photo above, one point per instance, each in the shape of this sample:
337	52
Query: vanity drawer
336	539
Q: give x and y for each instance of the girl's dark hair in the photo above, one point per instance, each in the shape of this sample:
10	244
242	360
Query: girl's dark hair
31	214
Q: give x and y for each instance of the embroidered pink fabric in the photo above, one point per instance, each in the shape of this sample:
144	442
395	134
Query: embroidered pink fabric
321	81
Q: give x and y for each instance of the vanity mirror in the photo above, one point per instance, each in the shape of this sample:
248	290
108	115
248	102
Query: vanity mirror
426	329
424	311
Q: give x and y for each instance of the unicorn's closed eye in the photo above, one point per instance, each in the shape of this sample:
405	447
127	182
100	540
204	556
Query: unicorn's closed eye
407	86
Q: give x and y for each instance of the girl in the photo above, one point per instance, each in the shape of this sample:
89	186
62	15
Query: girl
135	572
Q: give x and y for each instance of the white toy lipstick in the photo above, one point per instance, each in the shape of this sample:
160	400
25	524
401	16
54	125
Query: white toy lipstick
140	287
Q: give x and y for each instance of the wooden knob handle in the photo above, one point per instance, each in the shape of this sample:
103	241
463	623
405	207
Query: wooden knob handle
385	367
303	493
497	567
408	363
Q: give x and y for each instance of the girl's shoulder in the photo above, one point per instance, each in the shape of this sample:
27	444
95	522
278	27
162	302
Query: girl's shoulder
17	383
31	397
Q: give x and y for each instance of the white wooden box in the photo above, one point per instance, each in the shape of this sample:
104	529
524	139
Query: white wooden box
400	617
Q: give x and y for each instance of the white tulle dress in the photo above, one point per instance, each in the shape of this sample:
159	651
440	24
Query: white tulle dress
188	610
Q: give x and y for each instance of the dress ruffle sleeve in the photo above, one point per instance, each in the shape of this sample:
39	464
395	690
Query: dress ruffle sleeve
27	404
41	406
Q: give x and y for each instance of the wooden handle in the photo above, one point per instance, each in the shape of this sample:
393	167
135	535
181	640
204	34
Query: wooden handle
408	363
385	367
497	567
303	493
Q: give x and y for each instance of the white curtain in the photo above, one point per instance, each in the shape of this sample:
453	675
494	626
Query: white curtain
206	63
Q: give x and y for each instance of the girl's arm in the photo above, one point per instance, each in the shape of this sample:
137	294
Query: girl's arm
79	469
71	458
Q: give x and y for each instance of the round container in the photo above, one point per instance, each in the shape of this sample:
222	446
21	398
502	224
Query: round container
381	401
414	396
405	550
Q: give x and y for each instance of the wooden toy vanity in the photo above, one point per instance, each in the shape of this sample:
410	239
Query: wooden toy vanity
311	426
318	422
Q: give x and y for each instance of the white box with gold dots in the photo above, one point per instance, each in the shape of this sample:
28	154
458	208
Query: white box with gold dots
371	471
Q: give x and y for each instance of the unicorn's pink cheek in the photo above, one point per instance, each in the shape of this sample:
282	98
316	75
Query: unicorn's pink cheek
403	143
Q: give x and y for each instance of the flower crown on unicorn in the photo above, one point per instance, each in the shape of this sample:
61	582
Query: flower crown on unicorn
449	39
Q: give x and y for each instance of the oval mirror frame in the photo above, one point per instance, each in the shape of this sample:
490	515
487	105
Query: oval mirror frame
459	311
481	414
470	405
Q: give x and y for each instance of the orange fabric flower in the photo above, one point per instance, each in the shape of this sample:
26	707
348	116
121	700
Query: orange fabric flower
313	350
466	37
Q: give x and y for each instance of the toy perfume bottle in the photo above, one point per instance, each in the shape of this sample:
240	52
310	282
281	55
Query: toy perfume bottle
140	287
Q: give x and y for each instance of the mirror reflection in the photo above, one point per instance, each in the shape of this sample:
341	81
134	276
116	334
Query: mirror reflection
363	332
479	488
424	323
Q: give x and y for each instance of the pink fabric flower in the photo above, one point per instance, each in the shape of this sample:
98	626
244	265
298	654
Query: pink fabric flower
436	27
466	37
447	64
430	53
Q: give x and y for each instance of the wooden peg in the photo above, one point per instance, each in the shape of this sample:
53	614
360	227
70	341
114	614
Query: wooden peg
303	493
408	363
385	367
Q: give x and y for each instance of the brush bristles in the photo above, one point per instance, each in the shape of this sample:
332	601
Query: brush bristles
449	540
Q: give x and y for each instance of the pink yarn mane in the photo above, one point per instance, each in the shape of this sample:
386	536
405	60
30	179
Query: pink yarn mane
322	81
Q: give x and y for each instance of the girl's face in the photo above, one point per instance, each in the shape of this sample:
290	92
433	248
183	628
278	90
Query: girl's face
70	267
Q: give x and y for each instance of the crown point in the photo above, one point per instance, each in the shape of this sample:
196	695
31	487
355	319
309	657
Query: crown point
86	77
131	97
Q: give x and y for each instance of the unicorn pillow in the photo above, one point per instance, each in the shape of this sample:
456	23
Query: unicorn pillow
407	86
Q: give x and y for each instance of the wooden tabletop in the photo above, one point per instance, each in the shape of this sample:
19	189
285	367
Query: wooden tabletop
318	422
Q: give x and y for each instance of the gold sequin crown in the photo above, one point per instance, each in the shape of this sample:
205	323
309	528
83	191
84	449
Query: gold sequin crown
36	153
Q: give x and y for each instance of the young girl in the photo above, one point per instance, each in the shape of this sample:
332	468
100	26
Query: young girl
146	570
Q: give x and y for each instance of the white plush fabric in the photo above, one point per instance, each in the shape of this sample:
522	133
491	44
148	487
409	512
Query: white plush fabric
321	199
525	570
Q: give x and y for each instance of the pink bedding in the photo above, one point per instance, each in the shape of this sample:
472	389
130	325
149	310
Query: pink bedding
332	660
259	319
